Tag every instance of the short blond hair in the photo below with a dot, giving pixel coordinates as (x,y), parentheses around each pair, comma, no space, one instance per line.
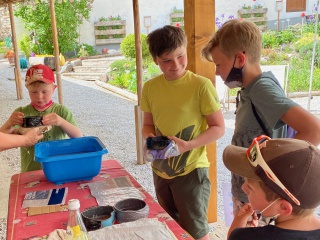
(236,36)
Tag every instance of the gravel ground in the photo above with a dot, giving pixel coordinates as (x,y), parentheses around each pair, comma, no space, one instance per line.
(110,117)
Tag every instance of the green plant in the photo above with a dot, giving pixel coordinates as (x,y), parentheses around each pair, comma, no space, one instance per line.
(246,7)
(122,65)
(123,74)
(259,6)
(306,52)
(69,16)
(299,75)
(89,50)
(272,39)
(121,80)
(83,53)
(26,45)
(177,19)
(2,47)
(127,48)
(177,10)
(151,71)
(306,39)
(114,18)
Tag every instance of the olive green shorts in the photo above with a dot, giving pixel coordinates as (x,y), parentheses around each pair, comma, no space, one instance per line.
(186,200)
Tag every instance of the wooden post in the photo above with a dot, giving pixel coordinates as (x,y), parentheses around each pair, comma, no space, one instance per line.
(56,51)
(199,25)
(17,74)
(139,144)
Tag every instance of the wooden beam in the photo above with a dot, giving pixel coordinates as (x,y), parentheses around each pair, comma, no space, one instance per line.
(139,70)
(199,24)
(56,51)
(17,74)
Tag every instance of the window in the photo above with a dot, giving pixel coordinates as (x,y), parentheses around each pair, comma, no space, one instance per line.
(296,5)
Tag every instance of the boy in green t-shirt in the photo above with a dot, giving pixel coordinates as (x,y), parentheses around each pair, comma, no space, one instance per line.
(184,107)
(40,83)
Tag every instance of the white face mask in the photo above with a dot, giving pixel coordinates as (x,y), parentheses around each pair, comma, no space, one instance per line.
(269,219)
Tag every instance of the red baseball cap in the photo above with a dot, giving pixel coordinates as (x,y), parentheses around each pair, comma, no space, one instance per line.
(39,72)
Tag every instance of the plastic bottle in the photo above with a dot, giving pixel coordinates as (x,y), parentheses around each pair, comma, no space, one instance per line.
(76,229)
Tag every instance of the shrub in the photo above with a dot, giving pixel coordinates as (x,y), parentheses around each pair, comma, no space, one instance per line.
(127,48)
(69,16)
(86,50)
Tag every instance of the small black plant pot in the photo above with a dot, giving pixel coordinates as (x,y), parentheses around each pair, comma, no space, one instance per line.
(32,121)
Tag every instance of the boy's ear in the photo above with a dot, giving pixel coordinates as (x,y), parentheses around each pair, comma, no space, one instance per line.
(285,207)
(155,61)
(241,59)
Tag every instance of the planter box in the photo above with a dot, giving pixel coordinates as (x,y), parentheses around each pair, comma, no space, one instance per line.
(177,19)
(109,32)
(257,15)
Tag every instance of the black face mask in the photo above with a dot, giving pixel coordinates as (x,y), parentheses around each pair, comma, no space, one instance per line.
(235,77)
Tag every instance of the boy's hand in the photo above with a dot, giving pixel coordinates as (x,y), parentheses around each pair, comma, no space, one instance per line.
(16,118)
(52,119)
(247,216)
(183,146)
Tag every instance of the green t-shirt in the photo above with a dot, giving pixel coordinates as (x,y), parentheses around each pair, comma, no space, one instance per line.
(28,162)
(179,108)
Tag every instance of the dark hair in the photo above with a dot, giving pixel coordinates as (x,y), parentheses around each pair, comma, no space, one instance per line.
(165,39)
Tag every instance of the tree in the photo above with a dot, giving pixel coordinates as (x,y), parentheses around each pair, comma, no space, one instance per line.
(69,16)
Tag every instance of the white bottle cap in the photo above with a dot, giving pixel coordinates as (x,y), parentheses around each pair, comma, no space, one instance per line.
(73,204)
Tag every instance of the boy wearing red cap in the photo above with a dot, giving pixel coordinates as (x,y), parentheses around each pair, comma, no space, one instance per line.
(281,182)
(40,83)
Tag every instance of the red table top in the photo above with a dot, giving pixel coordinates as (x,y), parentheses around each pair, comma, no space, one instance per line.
(21,226)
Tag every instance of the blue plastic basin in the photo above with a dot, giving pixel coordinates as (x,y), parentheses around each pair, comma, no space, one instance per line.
(70,160)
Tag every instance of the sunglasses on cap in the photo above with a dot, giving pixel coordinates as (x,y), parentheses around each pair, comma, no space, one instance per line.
(255,158)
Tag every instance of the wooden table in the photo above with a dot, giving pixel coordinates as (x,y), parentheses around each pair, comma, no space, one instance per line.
(21,226)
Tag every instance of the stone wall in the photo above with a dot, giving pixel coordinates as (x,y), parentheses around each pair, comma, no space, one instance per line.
(5,27)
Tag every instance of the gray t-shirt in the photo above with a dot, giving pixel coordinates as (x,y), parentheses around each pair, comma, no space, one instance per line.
(270,103)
